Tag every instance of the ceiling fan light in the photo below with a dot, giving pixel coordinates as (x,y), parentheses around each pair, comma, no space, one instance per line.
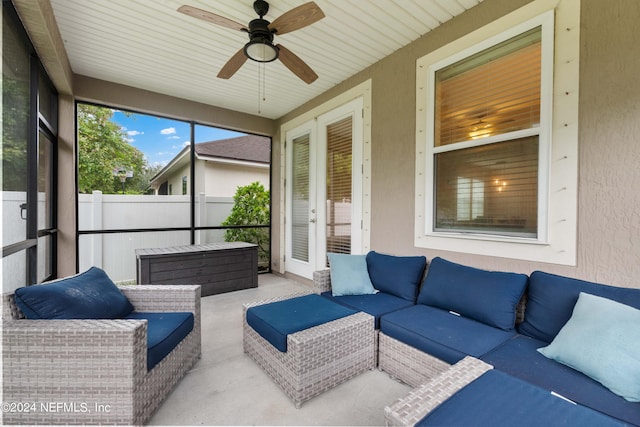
(261,50)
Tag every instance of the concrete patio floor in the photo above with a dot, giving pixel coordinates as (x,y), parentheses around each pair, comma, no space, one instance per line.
(227,388)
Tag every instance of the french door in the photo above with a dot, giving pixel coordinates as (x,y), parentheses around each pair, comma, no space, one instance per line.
(324,188)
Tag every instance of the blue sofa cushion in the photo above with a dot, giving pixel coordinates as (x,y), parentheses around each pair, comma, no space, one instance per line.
(376,304)
(89,295)
(602,340)
(518,357)
(276,320)
(164,332)
(396,275)
(490,297)
(497,399)
(349,275)
(441,334)
(551,298)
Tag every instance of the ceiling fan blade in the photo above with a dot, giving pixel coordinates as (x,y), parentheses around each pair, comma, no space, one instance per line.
(296,65)
(297,18)
(232,65)
(211,17)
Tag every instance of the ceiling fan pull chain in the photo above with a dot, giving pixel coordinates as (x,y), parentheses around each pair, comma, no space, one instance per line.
(264,83)
(259,87)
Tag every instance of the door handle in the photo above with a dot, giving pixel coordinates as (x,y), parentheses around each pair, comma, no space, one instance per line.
(312,220)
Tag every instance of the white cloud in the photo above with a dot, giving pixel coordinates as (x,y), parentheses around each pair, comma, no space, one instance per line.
(174,137)
(168,131)
(134,132)
(186,144)
(130,140)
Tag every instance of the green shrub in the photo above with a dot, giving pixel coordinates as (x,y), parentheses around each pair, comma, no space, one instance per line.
(251,207)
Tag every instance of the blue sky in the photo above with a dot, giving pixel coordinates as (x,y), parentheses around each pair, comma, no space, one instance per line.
(161,139)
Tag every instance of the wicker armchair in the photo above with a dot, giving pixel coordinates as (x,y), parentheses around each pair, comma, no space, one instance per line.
(93,371)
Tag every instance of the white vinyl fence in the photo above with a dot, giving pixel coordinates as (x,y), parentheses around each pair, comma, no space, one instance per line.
(14,230)
(115,252)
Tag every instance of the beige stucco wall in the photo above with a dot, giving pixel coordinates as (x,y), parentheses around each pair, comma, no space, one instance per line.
(223,179)
(609,144)
(66,193)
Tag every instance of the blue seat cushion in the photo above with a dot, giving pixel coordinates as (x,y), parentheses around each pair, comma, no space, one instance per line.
(88,295)
(489,297)
(375,304)
(441,334)
(164,332)
(396,275)
(276,320)
(551,298)
(518,357)
(498,399)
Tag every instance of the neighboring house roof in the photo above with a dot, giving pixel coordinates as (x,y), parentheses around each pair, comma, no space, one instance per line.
(249,148)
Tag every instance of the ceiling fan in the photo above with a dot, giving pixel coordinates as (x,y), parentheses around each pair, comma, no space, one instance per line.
(260,47)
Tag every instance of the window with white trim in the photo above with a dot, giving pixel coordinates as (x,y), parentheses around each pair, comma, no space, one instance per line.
(488,129)
(497,138)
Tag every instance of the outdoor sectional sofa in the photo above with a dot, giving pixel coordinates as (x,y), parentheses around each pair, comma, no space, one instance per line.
(82,350)
(486,327)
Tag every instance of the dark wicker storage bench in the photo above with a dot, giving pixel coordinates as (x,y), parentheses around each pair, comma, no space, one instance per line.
(217,267)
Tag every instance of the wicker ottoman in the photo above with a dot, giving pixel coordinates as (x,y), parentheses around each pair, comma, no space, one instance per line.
(317,359)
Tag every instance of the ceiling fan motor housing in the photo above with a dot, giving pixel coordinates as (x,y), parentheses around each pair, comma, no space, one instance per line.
(259,34)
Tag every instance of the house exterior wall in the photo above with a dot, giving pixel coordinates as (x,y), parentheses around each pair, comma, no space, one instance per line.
(218,179)
(609,145)
(223,179)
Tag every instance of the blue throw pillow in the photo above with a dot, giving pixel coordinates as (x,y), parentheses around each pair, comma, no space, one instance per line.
(349,275)
(396,275)
(602,340)
(551,298)
(490,297)
(89,295)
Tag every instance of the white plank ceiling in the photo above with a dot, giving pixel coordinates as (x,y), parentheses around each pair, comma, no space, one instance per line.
(149,45)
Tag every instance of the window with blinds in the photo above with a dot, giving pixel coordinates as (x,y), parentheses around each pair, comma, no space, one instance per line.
(300,199)
(339,186)
(486,140)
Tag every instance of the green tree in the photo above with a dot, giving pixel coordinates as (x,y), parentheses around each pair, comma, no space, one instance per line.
(15,113)
(140,183)
(251,207)
(103,147)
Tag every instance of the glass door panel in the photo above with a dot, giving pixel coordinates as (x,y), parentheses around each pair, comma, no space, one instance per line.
(339,186)
(300,215)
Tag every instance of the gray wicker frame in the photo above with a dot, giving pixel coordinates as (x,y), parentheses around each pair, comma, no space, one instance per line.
(318,358)
(406,363)
(93,371)
(322,283)
(411,408)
